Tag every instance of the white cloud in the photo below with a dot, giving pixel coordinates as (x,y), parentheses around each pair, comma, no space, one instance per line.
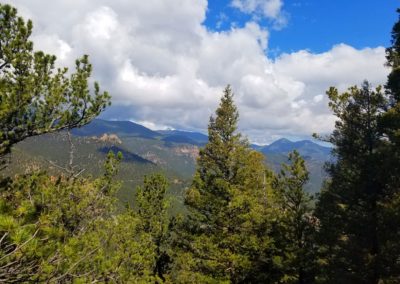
(164,68)
(269,9)
(318,98)
(53,44)
(101,24)
(342,65)
(153,126)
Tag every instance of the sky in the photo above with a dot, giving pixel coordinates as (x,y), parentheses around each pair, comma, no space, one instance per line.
(166,62)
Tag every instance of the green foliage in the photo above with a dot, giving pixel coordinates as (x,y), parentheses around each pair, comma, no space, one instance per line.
(60,229)
(243,223)
(152,206)
(39,213)
(353,230)
(36,98)
(224,238)
(111,167)
(57,229)
(295,237)
(390,121)
(358,208)
(393,61)
(390,128)
(113,250)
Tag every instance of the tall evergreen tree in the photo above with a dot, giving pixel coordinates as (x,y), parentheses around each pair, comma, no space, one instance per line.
(295,238)
(225,237)
(350,207)
(390,122)
(390,128)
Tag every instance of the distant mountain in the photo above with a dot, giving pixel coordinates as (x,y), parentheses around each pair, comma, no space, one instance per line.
(176,150)
(314,155)
(173,152)
(179,136)
(98,127)
(257,147)
(306,148)
(121,128)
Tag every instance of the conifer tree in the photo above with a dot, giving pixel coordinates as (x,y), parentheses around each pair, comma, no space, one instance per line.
(390,122)
(359,207)
(393,61)
(152,206)
(36,98)
(390,129)
(350,207)
(40,215)
(225,236)
(295,237)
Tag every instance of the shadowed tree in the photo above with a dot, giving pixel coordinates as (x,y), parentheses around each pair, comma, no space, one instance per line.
(390,129)
(351,206)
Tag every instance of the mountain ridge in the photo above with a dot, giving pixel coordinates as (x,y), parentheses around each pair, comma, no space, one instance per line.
(100,126)
(171,151)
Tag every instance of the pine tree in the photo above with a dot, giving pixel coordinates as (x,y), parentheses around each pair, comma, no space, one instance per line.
(42,216)
(349,208)
(295,236)
(393,61)
(390,122)
(152,205)
(225,238)
(36,98)
(390,129)
(358,209)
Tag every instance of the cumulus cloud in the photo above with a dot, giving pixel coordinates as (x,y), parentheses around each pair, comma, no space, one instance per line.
(53,44)
(164,68)
(269,9)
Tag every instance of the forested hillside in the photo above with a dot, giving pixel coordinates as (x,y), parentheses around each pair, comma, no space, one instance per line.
(172,152)
(240,220)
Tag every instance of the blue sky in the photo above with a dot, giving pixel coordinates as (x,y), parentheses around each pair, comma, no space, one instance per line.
(316,25)
(166,62)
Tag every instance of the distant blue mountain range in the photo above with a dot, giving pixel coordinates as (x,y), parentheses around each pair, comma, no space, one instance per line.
(171,151)
(127,128)
(306,148)
(98,127)
(179,136)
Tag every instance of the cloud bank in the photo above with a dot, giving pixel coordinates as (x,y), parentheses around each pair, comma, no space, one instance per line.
(163,67)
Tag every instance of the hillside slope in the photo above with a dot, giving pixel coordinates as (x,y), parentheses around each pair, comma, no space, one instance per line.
(145,151)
